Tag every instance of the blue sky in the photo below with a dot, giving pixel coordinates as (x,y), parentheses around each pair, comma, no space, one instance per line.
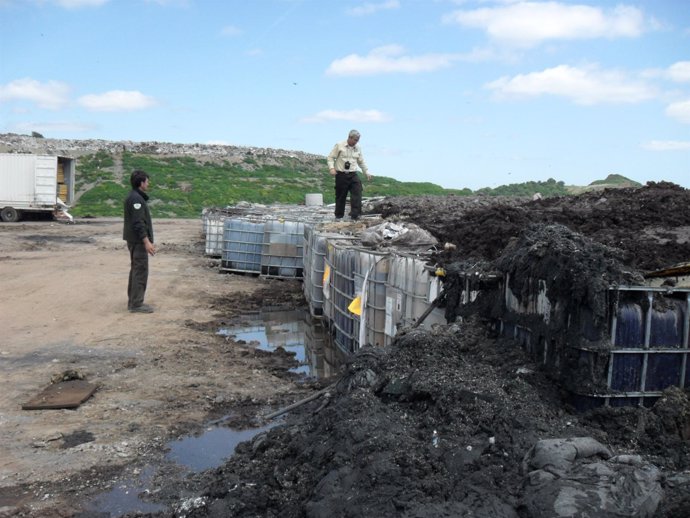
(459,93)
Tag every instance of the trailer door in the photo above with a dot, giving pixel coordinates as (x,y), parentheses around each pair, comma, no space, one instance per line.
(46,178)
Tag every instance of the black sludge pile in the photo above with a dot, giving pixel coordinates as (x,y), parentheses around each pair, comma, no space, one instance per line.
(457,421)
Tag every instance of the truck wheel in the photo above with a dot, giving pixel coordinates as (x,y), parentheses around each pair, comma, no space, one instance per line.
(9,215)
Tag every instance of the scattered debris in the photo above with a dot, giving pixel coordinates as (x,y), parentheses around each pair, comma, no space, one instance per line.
(67,375)
(63,394)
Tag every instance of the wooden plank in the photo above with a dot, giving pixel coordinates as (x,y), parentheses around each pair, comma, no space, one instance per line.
(68,394)
(679,269)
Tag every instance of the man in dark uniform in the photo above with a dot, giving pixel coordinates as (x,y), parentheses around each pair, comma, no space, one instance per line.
(138,232)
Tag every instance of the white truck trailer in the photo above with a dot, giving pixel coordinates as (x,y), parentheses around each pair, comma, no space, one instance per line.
(35,183)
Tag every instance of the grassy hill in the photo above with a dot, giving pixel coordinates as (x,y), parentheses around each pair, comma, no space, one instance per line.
(183,186)
(186,178)
(612,181)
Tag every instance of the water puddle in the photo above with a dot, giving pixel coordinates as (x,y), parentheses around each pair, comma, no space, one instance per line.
(295,331)
(211,448)
(206,450)
(125,497)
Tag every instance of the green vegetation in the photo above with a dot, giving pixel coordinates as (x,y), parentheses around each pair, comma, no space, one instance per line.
(93,168)
(104,200)
(548,188)
(183,186)
(616,179)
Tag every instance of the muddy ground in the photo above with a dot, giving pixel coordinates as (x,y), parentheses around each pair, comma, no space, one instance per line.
(443,423)
(159,376)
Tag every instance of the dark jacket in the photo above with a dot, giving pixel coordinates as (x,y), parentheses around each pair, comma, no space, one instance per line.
(137,218)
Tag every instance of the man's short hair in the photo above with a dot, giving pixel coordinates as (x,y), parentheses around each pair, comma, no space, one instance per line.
(353,134)
(138,177)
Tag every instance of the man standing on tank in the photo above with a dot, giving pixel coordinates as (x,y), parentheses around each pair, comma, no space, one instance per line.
(138,232)
(343,162)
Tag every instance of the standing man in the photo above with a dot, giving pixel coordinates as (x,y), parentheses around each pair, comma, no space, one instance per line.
(343,162)
(138,232)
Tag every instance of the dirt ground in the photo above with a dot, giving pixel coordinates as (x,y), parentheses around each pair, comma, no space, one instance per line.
(443,423)
(158,376)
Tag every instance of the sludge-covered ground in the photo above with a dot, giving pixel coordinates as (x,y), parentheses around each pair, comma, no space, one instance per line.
(457,421)
(650,226)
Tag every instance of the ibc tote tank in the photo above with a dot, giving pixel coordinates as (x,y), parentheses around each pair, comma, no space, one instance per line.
(242,244)
(374,267)
(282,252)
(339,293)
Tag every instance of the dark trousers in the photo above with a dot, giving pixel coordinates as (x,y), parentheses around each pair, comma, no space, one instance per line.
(344,183)
(138,274)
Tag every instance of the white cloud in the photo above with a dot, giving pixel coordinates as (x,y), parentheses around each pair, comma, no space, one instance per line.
(389,59)
(117,100)
(586,86)
(51,95)
(667,145)
(680,72)
(679,111)
(371,8)
(76,4)
(527,24)
(230,31)
(181,3)
(350,116)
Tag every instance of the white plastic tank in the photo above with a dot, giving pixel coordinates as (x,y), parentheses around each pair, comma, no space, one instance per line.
(242,245)
(314,199)
(282,253)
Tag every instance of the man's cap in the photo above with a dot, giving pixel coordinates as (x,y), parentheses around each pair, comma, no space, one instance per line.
(353,134)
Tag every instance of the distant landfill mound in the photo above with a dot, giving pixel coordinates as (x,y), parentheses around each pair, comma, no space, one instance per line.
(14,143)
